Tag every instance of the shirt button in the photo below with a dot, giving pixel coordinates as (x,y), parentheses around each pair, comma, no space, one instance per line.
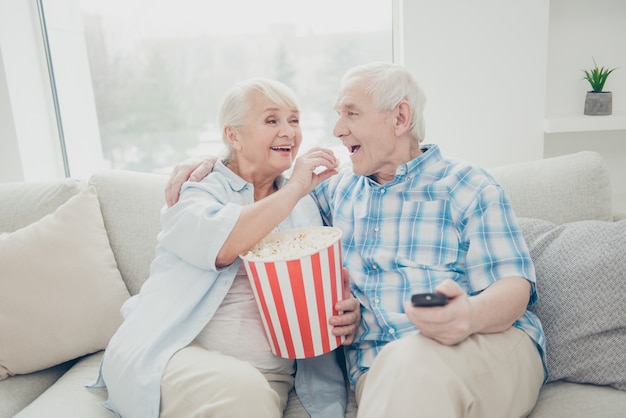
(382,191)
(376,301)
(392,331)
(376,229)
(374,267)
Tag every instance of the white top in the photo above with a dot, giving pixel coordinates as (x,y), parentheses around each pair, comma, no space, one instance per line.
(236,329)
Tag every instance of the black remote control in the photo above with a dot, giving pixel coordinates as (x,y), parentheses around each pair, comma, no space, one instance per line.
(429,299)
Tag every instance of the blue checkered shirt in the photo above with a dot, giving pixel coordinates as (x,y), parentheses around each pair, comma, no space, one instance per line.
(438,219)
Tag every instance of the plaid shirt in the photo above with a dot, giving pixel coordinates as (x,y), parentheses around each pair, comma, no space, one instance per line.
(437,219)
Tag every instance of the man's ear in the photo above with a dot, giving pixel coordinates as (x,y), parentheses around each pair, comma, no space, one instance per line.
(402,117)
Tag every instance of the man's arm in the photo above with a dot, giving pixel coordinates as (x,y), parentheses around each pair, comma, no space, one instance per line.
(493,310)
(193,169)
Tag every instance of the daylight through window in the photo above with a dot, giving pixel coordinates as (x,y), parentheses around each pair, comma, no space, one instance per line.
(160,68)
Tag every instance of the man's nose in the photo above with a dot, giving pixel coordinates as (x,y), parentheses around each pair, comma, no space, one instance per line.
(340,130)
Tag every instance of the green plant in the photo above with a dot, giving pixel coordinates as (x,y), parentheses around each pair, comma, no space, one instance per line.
(597,76)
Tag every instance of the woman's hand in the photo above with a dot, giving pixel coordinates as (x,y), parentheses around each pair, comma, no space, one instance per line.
(306,173)
(192,169)
(347,322)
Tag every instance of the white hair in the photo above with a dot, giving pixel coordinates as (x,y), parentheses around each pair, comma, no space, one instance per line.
(237,102)
(389,84)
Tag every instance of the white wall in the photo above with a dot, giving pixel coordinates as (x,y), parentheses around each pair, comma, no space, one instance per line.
(482,65)
(499,74)
(581,30)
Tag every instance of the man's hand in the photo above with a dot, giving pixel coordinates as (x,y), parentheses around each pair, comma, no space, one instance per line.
(449,324)
(193,169)
(347,322)
(495,309)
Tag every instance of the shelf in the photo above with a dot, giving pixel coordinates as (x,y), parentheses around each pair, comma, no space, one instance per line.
(584,123)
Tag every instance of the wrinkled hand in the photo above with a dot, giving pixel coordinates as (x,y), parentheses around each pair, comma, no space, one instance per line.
(347,322)
(449,324)
(193,169)
(306,173)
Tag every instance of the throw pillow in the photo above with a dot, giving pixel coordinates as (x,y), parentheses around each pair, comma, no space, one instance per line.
(60,289)
(581,283)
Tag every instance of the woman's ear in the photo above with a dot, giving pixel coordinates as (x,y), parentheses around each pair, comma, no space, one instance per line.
(403,115)
(231,135)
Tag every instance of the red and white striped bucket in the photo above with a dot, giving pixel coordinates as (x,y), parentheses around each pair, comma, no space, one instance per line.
(297,296)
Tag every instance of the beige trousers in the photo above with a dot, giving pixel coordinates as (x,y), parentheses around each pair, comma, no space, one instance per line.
(486,376)
(202,383)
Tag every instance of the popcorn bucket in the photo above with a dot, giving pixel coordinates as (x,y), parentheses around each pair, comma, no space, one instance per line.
(296,280)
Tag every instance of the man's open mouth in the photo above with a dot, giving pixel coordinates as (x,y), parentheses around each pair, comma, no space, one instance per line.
(353,148)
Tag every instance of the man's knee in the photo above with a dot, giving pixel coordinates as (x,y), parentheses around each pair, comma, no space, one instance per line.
(410,348)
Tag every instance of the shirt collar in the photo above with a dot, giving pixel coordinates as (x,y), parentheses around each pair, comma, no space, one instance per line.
(235,182)
(430,155)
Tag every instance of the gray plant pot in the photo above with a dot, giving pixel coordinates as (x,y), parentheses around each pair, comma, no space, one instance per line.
(599,104)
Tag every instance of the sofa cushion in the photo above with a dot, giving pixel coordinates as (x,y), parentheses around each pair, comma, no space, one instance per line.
(60,289)
(22,203)
(20,390)
(69,397)
(576,400)
(581,282)
(562,189)
(130,203)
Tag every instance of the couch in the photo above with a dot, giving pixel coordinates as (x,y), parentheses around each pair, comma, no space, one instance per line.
(71,251)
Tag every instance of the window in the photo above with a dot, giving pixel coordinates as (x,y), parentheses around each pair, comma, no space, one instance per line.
(158,69)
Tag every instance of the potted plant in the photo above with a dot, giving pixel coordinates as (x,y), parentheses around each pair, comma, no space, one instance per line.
(598,102)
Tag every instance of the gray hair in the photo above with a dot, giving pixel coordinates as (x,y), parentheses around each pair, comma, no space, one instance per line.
(237,103)
(389,84)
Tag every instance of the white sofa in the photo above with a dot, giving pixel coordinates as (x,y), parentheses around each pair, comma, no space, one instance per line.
(56,351)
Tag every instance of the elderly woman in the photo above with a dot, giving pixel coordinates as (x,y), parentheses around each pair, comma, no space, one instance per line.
(192,342)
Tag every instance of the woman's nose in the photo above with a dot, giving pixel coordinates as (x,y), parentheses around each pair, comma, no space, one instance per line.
(287,131)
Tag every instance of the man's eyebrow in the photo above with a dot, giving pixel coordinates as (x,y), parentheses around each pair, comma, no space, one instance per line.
(346,106)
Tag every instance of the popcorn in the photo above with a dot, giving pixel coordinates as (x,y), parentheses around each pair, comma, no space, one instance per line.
(292,244)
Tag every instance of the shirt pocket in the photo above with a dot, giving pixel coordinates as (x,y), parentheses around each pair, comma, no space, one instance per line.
(427,236)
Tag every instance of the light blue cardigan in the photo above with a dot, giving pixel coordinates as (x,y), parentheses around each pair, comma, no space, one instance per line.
(183,292)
